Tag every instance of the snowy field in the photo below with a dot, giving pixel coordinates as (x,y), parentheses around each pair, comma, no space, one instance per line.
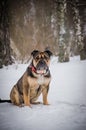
(67,98)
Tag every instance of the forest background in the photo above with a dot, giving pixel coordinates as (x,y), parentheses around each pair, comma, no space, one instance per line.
(58,25)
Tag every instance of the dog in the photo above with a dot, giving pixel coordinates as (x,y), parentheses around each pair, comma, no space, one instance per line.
(35,80)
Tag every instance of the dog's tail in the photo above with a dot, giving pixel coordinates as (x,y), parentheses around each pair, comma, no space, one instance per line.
(3,101)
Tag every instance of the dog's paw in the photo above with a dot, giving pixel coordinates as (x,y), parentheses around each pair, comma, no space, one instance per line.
(46,103)
(35,103)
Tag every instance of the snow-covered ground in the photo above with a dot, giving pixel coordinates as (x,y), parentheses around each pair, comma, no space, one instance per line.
(67,98)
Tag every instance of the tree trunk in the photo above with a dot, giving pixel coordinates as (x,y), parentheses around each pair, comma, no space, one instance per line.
(63,51)
(5,50)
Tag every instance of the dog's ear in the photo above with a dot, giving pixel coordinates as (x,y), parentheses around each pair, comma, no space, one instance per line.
(48,52)
(33,53)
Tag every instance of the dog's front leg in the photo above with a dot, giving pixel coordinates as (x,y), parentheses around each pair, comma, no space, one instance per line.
(26,93)
(45,94)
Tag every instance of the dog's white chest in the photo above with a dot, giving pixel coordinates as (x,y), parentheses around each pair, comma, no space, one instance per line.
(41,80)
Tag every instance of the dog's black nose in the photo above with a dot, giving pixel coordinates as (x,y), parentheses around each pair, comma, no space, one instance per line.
(42,62)
(42,65)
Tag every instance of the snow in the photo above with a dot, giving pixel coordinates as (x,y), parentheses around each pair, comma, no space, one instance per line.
(67,98)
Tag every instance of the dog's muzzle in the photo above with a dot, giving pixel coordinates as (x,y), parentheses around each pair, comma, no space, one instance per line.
(41,67)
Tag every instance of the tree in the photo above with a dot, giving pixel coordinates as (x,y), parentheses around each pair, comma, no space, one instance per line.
(63,52)
(71,29)
(5,50)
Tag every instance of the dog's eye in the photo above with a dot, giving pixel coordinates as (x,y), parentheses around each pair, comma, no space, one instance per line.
(37,58)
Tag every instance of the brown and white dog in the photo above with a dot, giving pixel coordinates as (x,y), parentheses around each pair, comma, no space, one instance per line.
(34,81)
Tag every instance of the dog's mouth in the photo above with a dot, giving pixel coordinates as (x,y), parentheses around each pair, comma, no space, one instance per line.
(41,71)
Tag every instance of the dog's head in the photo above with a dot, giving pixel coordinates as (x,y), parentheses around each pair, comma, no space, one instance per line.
(41,61)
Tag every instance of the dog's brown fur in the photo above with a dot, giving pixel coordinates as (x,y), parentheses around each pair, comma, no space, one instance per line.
(34,81)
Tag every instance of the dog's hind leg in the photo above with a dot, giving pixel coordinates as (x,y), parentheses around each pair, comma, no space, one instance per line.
(16,99)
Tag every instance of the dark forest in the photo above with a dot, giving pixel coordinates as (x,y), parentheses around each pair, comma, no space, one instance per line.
(58,25)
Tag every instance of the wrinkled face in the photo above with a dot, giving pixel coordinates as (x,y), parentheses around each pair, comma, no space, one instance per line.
(41,60)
